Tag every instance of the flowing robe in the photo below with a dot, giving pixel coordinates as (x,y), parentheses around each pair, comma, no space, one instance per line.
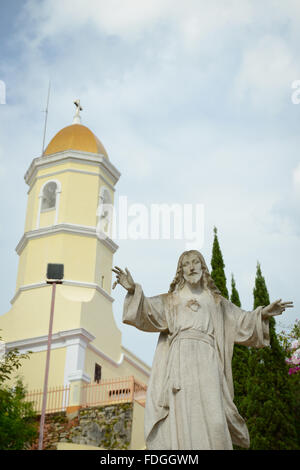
(190,393)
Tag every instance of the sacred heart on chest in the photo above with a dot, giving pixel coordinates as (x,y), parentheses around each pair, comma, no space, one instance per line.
(193,304)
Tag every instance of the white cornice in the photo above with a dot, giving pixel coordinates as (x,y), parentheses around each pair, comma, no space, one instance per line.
(124,356)
(136,361)
(137,365)
(78,375)
(47,161)
(104,356)
(66,282)
(59,340)
(64,228)
(75,336)
(72,170)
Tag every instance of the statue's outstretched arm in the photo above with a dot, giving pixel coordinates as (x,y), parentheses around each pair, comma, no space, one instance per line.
(276,308)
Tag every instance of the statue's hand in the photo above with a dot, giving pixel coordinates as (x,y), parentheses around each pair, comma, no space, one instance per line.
(125,279)
(276,308)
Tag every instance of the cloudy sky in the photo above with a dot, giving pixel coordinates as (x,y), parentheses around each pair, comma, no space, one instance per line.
(193,102)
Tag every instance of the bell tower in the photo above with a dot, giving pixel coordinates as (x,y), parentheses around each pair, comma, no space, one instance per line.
(67,187)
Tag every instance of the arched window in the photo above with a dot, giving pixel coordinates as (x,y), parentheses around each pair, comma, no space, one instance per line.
(48,201)
(49,196)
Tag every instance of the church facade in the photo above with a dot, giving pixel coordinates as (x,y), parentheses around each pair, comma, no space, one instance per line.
(67,186)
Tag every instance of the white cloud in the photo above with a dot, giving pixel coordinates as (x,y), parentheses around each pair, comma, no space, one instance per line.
(283,218)
(267,71)
(296,180)
(193,20)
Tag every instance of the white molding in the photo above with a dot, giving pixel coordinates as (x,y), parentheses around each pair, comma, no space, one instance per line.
(124,356)
(64,228)
(136,361)
(59,340)
(96,159)
(75,360)
(67,282)
(73,170)
(136,365)
(104,356)
(76,341)
(89,285)
(75,376)
(27,287)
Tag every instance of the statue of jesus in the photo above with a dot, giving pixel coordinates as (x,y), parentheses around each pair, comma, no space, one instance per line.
(190,393)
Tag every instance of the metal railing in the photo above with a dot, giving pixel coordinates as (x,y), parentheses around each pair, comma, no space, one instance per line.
(106,392)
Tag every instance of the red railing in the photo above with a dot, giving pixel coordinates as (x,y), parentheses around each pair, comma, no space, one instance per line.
(106,392)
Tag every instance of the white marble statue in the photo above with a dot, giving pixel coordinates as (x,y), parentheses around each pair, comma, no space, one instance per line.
(190,392)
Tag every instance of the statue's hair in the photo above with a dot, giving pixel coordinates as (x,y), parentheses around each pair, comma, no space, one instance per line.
(179,281)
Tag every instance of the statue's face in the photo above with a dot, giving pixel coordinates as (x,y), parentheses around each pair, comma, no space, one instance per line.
(192,268)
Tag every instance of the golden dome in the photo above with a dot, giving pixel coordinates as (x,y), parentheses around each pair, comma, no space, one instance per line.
(75,137)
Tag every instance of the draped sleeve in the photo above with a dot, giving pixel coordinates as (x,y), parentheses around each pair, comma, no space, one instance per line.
(250,328)
(145,313)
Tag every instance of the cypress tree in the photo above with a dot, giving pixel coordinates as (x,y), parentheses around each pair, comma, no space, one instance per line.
(240,360)
(235,298)
(269,414)
(217,264)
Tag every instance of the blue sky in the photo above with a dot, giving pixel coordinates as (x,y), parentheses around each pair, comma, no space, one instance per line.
(192,101)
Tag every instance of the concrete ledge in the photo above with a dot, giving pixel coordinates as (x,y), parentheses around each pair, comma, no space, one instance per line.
(68,446)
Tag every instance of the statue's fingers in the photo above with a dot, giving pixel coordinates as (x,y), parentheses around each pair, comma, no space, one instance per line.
(276,302)
(286,304)
(121,270)
(117,271)
(114,284)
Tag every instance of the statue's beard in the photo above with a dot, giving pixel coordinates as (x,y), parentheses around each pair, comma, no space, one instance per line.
(193,278)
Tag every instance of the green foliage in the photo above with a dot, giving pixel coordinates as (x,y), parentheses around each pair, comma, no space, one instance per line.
(17,419)
(240,360)
(286,338)
(235,298)
(260,291)
(217,264)
(270,402)
(9,364)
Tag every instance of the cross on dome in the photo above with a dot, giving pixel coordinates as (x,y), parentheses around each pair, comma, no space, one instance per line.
(77,117)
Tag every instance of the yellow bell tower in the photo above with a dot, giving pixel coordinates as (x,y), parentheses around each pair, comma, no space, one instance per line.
(68,185)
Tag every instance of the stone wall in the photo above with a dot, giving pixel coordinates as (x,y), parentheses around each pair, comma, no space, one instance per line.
(106,427)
